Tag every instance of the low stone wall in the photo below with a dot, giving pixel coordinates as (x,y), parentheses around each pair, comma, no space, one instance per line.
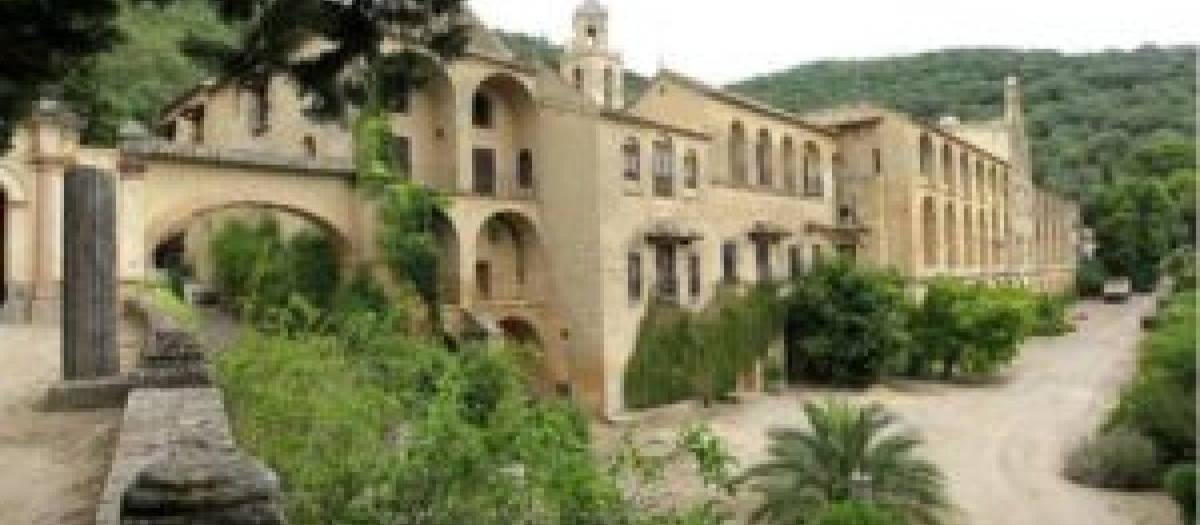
(176,461)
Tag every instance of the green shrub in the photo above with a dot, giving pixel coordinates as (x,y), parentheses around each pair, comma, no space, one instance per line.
(1118,458)
(681,354)
(1160,402)
(967,328)
(844,324)
(856,513)
(1050,315)
(1182,267)
(1090,278)
(1180,483)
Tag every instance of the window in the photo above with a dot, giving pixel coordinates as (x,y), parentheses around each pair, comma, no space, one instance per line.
(525,169)
(310,146)
(762,156)
(877,160)
(762,256)
(171,130)
(965,173)
(737,153)
(484,164)
(483,279)
(631,152)
(634,276)
(926,154)
(691,170)
(817,257)
(980,178)
(814,185)
(694,275)
(664,169)
(260,107)
(481,111)
(577,79)
(591,35)
(729,262)
(789,165)
(399,149)
(795,261)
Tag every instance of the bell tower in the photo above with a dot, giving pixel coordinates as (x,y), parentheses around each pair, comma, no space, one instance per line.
(588,64)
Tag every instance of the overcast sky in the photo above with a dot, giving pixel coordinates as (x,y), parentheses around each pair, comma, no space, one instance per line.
(723,41)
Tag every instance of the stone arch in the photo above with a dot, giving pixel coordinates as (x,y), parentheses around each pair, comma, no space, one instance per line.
(510,263)
(175,225)
(544,360)
(500,140)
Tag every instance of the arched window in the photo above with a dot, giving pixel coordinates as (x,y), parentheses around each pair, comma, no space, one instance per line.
(980,188)
(814,183)
(789,165)
(929,232)
(691,170)
(481,111)
(762,157)
(631,155)
(925,150)
(948,177)
(965,174)
(737,153)
(951,237)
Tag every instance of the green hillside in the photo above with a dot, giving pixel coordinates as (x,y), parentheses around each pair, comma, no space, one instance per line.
(1086,112)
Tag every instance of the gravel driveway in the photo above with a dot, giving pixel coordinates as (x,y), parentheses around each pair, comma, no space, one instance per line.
(52,465)
(1000,445)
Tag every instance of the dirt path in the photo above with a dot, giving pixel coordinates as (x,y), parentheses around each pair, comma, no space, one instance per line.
(52,465)
(1001,446)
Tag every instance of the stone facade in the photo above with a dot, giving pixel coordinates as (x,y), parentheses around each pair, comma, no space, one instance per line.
(569,209)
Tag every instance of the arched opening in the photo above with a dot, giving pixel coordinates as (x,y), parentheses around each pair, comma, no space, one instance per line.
(929,232)
(663,157)
(510,262)
(951,237)
(762,157)
(737,152)
(814,183)
(522,337)
(925,153)
(948,176)
(181,250)
(789,165)
(502,138)
(984,241)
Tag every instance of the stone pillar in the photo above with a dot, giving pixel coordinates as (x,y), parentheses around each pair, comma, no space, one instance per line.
(90,307)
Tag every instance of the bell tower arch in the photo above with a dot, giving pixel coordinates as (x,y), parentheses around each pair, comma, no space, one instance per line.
(588,63)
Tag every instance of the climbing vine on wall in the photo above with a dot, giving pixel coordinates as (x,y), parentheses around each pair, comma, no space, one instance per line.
(406,211)
(682,354)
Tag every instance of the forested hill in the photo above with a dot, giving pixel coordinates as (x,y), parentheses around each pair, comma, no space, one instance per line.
(1085,112)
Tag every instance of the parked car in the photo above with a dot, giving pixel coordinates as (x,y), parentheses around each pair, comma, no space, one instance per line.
(1117,290)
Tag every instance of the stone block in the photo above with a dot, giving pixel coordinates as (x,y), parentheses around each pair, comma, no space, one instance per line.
(87,394)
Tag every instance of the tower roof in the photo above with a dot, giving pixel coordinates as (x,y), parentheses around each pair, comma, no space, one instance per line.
(591,7)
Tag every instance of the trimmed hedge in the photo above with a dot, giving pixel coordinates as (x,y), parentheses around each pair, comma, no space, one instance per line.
(1118,458)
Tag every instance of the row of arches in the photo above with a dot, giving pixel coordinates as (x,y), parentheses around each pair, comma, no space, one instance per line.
(805,170)
(955,238)
(978,180)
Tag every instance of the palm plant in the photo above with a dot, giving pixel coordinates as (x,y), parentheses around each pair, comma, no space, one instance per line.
(849,453)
